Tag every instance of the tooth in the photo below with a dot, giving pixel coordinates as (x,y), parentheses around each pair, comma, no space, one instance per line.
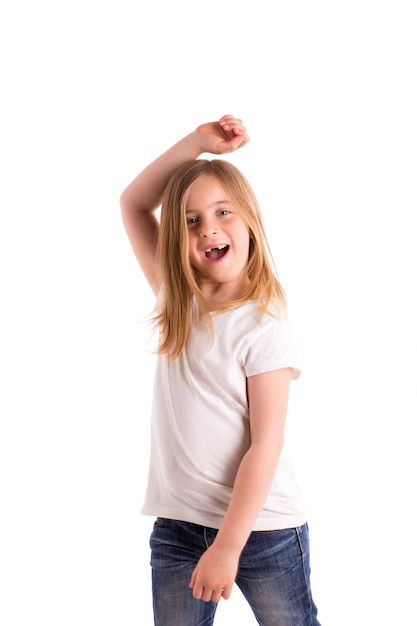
(224,245)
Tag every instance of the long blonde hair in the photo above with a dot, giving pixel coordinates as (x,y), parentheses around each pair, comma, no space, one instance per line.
(179,283)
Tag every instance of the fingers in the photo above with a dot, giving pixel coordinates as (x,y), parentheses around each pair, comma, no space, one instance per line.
(232,126)
(234,130)
(228,122)
(206,592)
(210,595)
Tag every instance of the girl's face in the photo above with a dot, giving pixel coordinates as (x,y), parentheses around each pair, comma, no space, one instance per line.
(218,240)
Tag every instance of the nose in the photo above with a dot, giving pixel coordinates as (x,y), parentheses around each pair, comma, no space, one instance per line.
(208,227)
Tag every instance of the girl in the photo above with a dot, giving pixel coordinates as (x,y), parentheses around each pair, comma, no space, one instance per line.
(225,499)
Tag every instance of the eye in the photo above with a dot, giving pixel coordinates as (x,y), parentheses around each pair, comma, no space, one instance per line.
(191,221)
(224,212)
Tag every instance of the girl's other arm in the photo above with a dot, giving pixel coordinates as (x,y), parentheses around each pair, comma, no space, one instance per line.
(140,200)
(216,571)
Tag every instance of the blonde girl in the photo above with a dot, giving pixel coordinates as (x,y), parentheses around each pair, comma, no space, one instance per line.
(224,496)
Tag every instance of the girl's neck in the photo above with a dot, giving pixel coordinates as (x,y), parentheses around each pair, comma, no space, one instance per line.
(220,295)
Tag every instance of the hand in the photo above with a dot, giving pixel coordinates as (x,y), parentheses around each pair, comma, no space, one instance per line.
(226,135)
(214,575)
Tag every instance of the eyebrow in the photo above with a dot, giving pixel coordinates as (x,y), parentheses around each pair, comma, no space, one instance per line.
(214,205)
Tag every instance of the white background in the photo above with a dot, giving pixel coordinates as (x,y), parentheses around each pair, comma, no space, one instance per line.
(91,92)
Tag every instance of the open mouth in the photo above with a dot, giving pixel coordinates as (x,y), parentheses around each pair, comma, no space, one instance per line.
(217,253)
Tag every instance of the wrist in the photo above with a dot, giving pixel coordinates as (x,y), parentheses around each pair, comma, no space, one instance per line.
(231,544)
(193,145)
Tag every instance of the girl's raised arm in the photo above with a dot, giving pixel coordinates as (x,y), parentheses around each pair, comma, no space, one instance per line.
(140,200)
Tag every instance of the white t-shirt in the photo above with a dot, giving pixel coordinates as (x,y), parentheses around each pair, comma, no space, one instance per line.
(200,421)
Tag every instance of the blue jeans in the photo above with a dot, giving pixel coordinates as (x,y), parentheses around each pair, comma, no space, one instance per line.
(273,575)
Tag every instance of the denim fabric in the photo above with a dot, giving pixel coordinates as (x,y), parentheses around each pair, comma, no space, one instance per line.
(273,575)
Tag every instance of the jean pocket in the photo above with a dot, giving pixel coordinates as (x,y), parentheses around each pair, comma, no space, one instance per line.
(160,521)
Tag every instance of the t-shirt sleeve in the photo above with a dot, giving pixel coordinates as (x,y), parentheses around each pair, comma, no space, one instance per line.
(272,348)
